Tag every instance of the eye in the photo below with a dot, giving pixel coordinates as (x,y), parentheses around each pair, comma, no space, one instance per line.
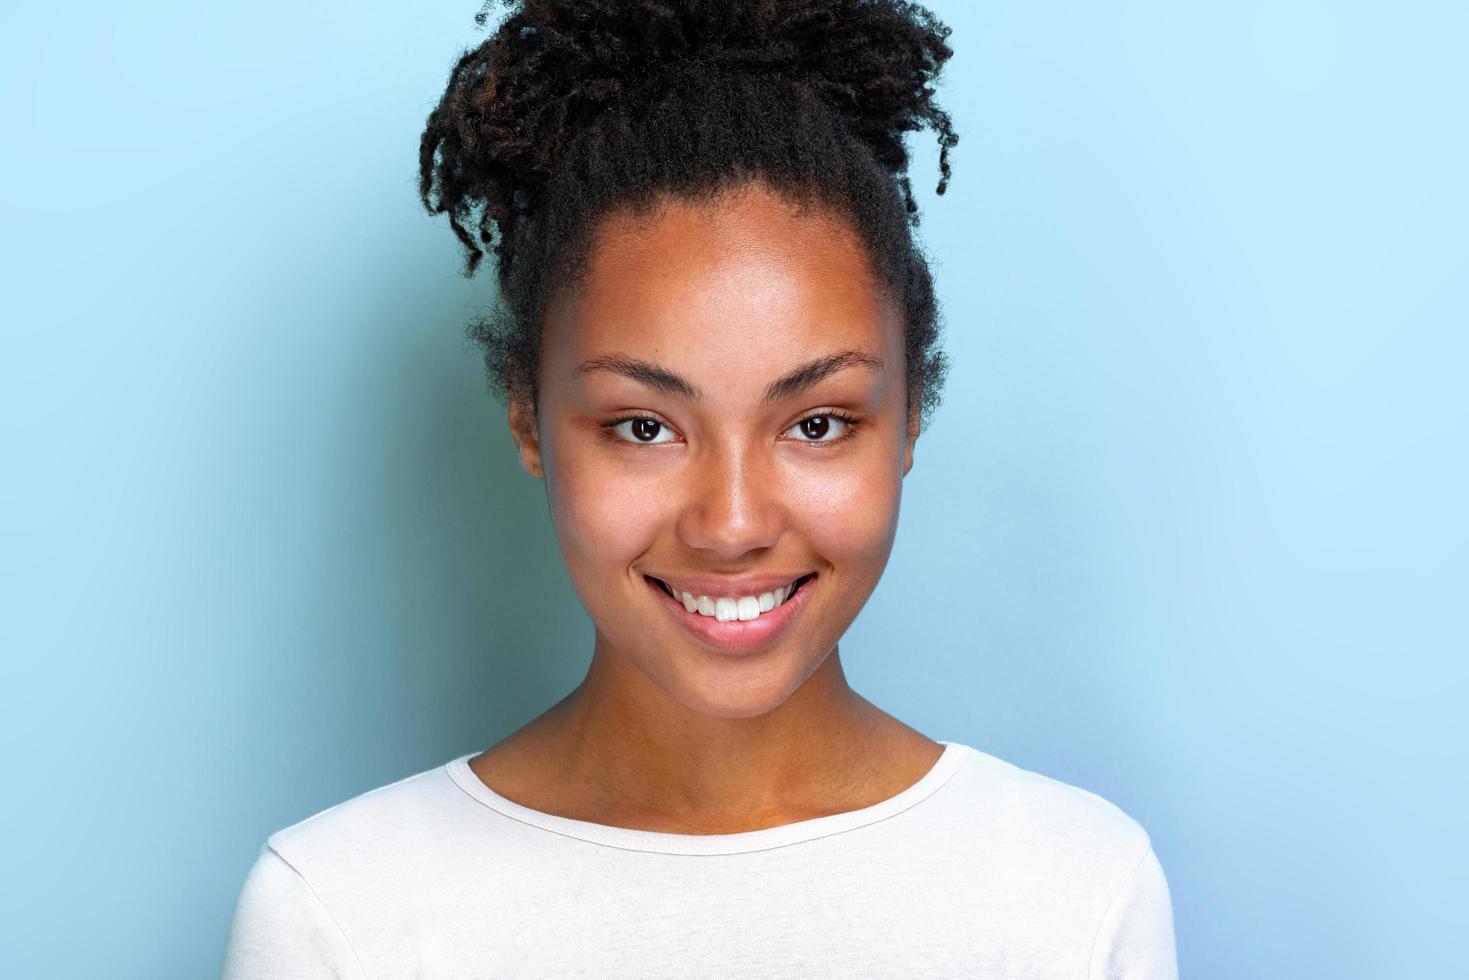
(643,430)
(819,428)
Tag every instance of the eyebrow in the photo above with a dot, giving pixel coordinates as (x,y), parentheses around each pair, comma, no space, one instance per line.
(792,383)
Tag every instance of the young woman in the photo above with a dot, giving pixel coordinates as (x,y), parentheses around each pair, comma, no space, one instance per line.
(717,349)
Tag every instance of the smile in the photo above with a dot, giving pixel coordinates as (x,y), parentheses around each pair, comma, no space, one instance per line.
(735,624)
(727,609)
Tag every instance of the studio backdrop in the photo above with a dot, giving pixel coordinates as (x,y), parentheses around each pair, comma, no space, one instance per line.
(1187,531)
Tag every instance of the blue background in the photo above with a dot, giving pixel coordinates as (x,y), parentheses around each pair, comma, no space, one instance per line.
(1188,531)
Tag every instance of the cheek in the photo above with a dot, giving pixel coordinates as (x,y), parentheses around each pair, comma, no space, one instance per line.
(848,512)
(601,517)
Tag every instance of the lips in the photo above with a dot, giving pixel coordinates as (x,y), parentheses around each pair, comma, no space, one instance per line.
(738,637)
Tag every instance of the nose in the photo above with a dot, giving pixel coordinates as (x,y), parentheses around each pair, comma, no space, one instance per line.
(733,504)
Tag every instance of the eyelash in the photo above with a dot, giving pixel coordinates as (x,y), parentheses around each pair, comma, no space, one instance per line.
(852,422)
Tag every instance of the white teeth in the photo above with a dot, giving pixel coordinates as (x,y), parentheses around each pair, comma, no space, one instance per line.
(742,608)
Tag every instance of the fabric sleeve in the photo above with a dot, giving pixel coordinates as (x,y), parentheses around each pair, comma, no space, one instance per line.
(281,928)
(1135,939)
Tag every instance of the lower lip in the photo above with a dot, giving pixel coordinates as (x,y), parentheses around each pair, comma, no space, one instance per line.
(737,636)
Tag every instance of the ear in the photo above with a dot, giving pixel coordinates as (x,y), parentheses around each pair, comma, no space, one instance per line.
(910,438)
(523,430)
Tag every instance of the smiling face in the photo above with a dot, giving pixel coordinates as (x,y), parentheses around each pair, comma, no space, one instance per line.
(722,408)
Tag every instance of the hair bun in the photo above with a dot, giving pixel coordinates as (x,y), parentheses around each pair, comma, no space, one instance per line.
(552,65)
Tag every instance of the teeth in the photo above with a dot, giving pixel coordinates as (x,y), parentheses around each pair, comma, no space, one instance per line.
(728,610)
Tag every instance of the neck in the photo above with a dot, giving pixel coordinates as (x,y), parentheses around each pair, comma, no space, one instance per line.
(652,760)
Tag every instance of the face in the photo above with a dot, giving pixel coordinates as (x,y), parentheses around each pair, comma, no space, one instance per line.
(722,409)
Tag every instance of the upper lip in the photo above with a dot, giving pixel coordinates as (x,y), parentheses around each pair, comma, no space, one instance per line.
(733,588)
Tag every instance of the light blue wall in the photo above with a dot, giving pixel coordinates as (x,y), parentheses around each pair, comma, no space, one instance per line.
(1188,531)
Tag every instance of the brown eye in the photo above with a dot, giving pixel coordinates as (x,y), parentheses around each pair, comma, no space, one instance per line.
(820,428)
(640,430)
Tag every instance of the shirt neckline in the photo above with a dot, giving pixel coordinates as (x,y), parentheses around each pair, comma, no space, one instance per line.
(948,763)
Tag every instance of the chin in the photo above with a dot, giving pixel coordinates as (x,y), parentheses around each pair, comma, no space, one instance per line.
(736,688)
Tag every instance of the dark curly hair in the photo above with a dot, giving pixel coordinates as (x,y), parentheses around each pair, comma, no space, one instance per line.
(574,108)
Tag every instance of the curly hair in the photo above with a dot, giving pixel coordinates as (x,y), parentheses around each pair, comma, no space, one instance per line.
(574,108)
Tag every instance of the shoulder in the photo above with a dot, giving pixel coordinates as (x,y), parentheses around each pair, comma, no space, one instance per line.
(367,813)
(312,893)
(395,829)
(1046,822)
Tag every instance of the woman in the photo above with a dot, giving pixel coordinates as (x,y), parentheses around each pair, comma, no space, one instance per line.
(718,348)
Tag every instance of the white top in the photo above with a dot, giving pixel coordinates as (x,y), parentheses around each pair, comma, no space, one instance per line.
(978,869)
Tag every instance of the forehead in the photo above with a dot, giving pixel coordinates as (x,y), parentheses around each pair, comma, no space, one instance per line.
(732,289)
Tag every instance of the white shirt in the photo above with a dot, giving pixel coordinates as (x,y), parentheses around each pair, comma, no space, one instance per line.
(980,869)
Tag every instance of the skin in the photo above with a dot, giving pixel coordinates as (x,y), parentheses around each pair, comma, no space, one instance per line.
(664,734)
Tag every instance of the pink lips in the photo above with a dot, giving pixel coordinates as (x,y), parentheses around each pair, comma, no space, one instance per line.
(736,636)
